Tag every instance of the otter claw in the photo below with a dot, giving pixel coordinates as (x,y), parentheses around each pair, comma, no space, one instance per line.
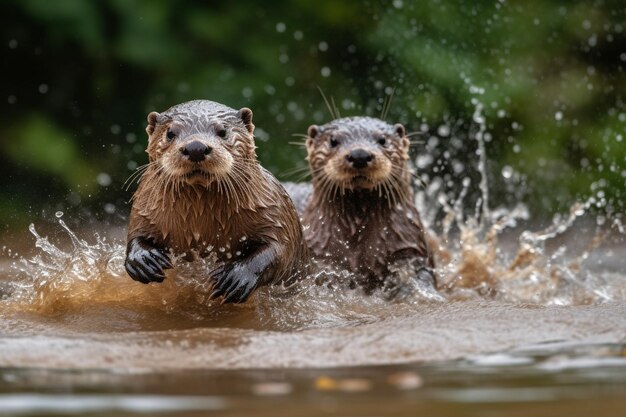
(233,283)
(146,263)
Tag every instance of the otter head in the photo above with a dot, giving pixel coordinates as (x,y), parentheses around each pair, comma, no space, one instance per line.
(358,153)
(200,142)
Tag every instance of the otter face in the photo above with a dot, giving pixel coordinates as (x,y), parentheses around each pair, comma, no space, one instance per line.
(200,142)
(357,153)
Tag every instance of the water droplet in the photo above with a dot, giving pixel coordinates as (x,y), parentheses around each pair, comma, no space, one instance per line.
(507,172)
(109,208)
(325,72)
(131,137)
(424,160)
(593,40)
(103,179)
(558,115)
(58,214)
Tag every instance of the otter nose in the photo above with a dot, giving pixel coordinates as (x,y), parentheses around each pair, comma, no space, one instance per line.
(359,158)
(195,151)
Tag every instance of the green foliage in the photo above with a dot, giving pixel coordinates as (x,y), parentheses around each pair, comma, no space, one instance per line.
(549,73)
(36,142)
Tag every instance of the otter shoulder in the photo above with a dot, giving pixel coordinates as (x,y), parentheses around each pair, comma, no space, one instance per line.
(300,193)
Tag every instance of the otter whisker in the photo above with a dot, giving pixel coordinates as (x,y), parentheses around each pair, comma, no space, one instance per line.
(228,187)
(308,173)
(418,179)
(137,173)
(400,184)
(230,192)
(237,188)
(295,170)
(328,186)
(387,104)
(300,144)
(331,109)
(332,100)
(389,193)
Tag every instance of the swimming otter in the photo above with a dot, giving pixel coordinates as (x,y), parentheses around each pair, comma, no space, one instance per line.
(204,191)
(361,216)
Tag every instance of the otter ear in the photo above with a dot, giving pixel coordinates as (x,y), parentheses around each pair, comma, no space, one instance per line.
(245,114)
(399,129)
(313,131)
(153,118)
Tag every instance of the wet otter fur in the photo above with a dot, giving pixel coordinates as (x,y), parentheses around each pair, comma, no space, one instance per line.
(203,192)
(361,215)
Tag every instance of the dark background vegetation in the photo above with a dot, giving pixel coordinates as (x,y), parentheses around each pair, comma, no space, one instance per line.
(79,77)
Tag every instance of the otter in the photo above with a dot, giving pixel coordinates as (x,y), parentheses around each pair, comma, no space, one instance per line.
(203,192)
(361,216)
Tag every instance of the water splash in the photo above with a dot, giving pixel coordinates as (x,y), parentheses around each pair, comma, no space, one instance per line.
(87,285)
(476,258)
(472,260)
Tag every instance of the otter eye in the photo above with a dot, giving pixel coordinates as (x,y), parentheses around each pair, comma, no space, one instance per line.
(333,142)
(221,132)
(170,134)
(382,141)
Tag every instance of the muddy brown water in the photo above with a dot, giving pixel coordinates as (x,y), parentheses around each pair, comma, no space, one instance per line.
(547,336)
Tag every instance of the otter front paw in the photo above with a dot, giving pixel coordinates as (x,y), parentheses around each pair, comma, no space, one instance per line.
(423,284)
(145,263)
(235,282)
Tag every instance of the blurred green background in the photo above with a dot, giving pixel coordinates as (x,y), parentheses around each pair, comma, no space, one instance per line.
(79,77)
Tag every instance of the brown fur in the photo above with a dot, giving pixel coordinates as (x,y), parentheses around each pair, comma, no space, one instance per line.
(229,205)
(363,220)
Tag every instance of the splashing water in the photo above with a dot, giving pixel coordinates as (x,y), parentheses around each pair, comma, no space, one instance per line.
(487,267)
(471,263)
(474,259)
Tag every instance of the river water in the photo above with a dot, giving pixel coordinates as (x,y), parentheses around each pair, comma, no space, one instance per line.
(528,315)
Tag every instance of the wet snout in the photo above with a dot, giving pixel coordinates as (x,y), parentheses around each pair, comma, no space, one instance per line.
(359,158)
(195,150)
